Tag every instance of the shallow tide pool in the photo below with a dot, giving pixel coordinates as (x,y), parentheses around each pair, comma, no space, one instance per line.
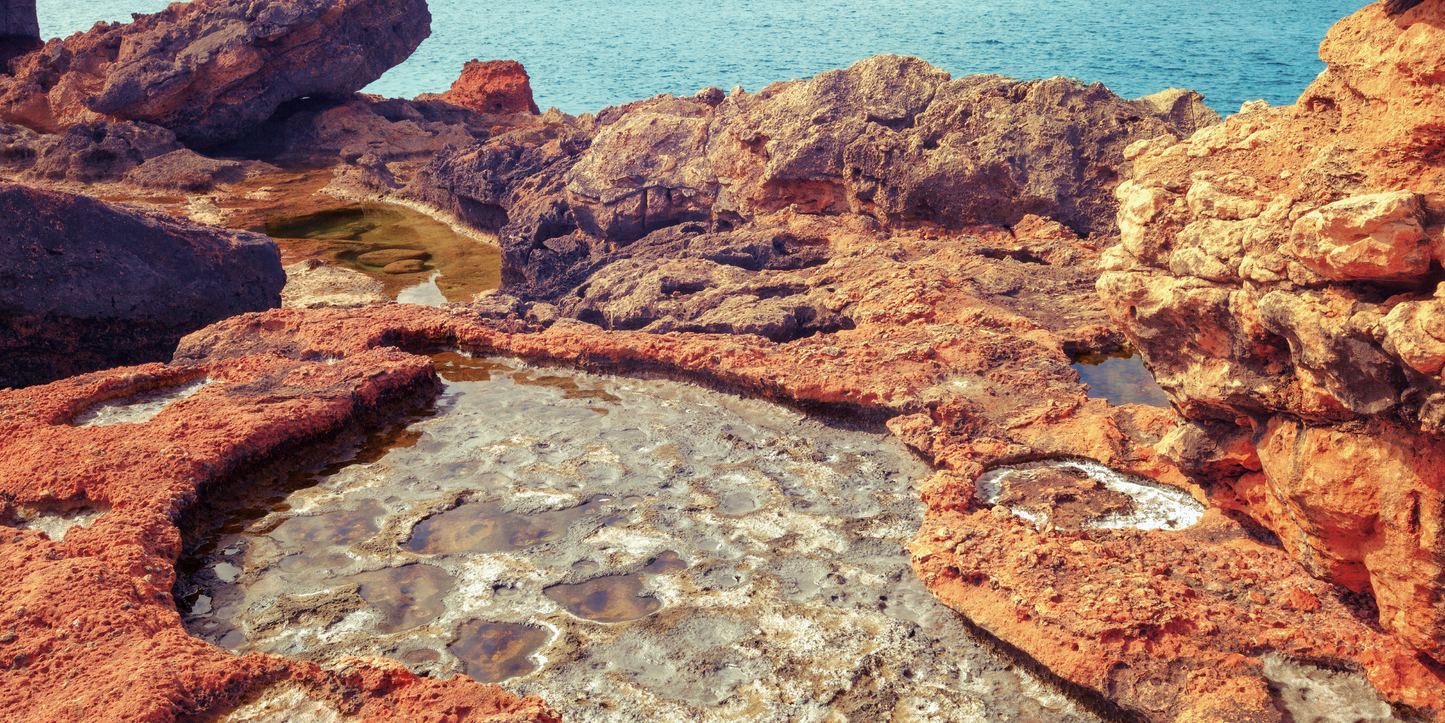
(631,550)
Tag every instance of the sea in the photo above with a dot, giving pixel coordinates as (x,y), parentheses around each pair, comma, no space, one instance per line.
(584,55)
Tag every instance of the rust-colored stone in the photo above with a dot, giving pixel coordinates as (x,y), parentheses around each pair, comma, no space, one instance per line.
(494,87)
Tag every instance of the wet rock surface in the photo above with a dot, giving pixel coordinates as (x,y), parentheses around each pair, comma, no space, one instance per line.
(633,549)
(1281,274)
(211,70)
(89,285)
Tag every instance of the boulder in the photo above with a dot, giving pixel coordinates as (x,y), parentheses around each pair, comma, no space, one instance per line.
(496,87)
(99,151)
(1281,274)
(185,171)
(88,285)
(211,69)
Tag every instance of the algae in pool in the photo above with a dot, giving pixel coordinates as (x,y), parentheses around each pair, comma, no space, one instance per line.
(693,555)
(402,248)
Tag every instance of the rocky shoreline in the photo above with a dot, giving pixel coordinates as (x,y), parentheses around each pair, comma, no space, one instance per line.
(880,243)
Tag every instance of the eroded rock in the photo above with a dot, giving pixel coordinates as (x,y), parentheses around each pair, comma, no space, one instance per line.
(1279,272)
(210,70)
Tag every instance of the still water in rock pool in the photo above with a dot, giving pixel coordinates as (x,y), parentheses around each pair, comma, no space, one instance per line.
(1120,379)
(629,549)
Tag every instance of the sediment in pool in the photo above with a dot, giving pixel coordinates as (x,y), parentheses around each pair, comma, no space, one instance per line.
(720,557)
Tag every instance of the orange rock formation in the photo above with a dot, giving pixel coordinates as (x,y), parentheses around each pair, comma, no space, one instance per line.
(496,87)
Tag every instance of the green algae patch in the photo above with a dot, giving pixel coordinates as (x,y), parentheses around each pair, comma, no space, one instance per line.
(394,244)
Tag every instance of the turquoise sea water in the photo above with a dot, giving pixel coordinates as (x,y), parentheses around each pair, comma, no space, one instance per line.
(584,55)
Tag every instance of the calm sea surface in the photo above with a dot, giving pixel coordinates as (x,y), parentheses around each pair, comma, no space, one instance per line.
(584,55)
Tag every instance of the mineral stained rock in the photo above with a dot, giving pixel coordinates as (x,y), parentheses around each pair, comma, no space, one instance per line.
(91,627)
(86,285)
(209,70)
(496,87)
(1281,273)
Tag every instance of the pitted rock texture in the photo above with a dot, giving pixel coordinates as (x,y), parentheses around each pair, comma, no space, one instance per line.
(84,153)
(890,138)
(92,630)
(211,69)
(86,285)
(1281,274)
(496,87)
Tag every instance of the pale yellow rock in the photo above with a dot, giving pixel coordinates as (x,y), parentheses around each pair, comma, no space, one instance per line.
(1377,236)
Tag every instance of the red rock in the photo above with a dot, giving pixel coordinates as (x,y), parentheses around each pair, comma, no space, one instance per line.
(494,87)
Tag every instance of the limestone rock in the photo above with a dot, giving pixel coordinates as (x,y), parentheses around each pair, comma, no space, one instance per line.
(211,69)
(88,285)
(1276,272)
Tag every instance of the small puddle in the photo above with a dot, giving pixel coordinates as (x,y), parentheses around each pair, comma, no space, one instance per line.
(55,523)
(684,555)
(609,599)
(481,527)
(1082,494)
(136,408)
(1311,693)
(407,596)
(494,652)
(418,259)
(1120,379)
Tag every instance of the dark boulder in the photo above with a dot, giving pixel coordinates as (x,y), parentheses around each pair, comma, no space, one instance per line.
(86,285)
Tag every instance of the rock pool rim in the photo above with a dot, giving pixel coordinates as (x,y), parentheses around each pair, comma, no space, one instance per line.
(848,415)
(1044,459)
(149,383)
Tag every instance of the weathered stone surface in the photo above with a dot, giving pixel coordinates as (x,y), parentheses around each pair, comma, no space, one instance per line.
(313,284)
(91,152)
(87,285)
(1279,272)
(186,171)
(211,69)
(93,632)
(496,87)
(571,196)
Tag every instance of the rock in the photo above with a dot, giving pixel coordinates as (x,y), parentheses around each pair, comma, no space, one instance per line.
(90,285)
(571,195)
(496,87)
(890,136)
(387,256)
(212,69)
(19,29)
(313,284)
(98,151)
(406,266)
(185,171)
(1373,237)
(1184,110)
(1276,272)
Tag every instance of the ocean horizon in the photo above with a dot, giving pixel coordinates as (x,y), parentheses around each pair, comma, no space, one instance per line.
(584,56)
